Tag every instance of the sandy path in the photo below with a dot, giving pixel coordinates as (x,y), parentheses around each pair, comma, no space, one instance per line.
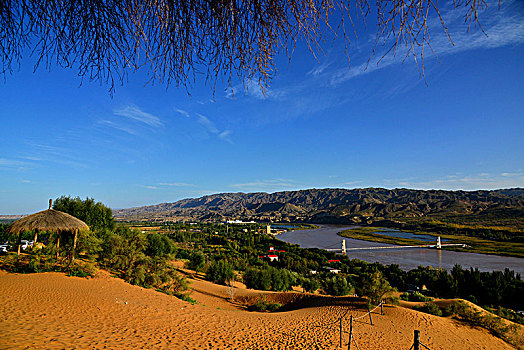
(52,311)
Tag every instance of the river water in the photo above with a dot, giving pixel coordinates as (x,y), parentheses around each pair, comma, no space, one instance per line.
(407,258)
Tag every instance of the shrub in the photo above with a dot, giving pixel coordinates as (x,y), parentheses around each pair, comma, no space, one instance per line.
(220,272)
(374,286)
(429,308)
(185,297)
(415,296)
(310,285)
(257,279)
(197,261)
(81,270)
(159,245)
(269,278)
(262,304)
(337,285)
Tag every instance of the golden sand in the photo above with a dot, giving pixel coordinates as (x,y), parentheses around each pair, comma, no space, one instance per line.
(52,311)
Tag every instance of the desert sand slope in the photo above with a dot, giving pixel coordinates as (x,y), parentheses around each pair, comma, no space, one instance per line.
(52,311)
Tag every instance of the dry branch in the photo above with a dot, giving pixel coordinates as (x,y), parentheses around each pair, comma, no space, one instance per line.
(180,41)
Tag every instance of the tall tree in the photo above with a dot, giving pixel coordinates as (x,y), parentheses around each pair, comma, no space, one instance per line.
(95,214)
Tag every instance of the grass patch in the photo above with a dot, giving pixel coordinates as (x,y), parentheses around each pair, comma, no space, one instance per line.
(415,296)
(263,305)
(476,245)
(185,297)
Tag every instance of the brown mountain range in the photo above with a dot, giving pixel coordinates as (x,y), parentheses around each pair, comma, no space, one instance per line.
(363,205)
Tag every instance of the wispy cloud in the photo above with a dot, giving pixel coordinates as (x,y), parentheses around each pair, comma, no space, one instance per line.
(181,111)
(265,185)
(352,183)
(327,85)
(59,155)
(129,120)
(224,135)
(149,187)
(6,163)
(135,113)
(253,88)
(463,182)
(500,28)
(319,69)
(207,124)
(118,126)
(176,184)
(210,128)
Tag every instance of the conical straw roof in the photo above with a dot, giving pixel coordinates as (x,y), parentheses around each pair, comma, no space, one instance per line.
(47,220)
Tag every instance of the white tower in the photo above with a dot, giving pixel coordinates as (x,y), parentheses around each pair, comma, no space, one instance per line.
(439,245)
(344,247)
(268,229)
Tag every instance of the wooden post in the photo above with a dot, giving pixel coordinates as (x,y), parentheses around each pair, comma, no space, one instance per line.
(416,340)
(19,243)
(57,243)
(74,245)
(341,333)
(370,319)
(382,308)
(350,332)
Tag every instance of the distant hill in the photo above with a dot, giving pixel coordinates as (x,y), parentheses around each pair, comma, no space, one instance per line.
(360,206)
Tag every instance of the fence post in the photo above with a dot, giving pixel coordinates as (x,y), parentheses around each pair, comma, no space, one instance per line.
(382,308)
(341,333)
(350,332)
(416,340)
(370,319)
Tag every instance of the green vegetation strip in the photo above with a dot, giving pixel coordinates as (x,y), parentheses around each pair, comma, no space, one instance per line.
(476,245)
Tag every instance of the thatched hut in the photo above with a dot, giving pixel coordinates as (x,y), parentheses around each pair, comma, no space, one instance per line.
(49,220)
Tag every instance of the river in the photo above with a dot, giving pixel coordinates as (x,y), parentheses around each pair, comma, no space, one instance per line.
(408,258)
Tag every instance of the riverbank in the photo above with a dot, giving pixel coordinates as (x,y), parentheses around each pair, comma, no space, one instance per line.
(476,245)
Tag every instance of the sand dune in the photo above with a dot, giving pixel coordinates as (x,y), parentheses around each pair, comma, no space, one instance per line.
(52,311)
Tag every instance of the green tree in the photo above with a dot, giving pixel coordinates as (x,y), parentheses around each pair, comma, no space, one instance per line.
(310,285)
(95,214)
(337,285)
(220,271)
(159,245)
(257,279)
(374,286)
(197,261)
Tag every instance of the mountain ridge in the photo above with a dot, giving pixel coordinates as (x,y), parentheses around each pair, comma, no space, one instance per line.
(330,205)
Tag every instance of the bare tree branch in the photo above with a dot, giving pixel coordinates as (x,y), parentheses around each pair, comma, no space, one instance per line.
(179,42)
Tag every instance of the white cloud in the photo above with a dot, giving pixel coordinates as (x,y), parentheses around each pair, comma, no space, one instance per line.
(210,127)
(319,69)
(265,185)
(181,111)
(176,184)
(224,135)
(500,28)
(252,88)
(207,124)
(60,155)
(13,164)
(135,113)
(484,181)
(149,187)
(117,126)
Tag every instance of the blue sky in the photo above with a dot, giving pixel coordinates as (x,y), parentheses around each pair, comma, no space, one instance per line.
(319,125)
